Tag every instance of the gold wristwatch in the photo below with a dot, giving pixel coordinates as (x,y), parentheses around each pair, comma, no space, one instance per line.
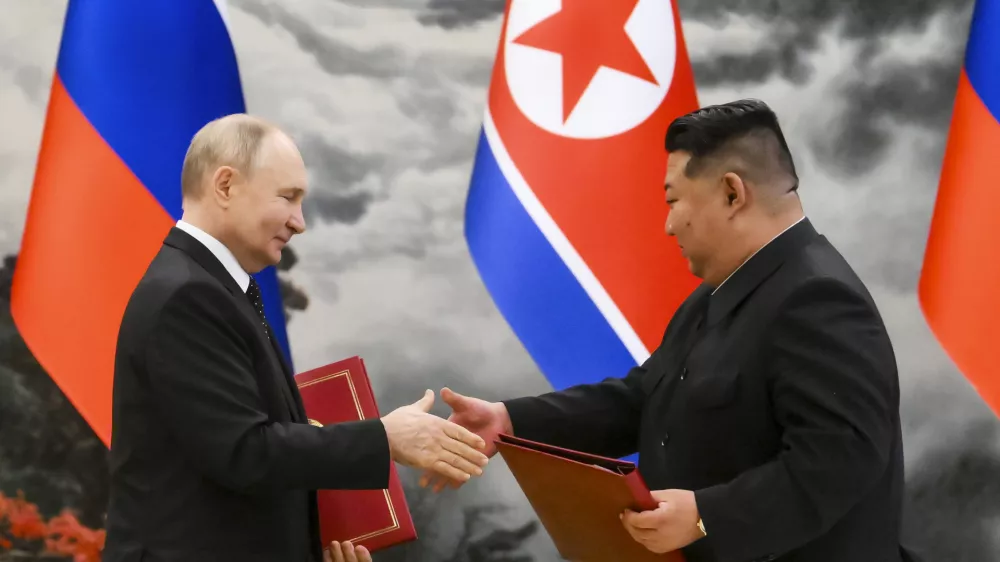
(701,527)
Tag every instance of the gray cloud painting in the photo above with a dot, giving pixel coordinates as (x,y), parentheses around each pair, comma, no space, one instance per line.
(386,99)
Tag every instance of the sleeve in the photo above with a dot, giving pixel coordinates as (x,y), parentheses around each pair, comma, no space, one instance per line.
(832,382)
(601,418)
(202,381)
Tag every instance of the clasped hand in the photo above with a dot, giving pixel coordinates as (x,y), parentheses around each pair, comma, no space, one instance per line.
(671,526)
(422,440)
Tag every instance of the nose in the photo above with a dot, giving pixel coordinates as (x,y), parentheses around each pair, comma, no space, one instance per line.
(297,221)
(669,226)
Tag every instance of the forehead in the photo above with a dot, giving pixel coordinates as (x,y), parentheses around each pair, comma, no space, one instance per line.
(280,157)
(676,164)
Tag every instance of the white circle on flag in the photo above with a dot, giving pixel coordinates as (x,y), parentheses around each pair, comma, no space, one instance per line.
(613,102)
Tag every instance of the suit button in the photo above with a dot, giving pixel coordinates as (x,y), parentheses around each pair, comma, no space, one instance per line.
(663,442)
(684,373)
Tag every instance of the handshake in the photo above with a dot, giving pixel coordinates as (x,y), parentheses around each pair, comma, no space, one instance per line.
(451,451)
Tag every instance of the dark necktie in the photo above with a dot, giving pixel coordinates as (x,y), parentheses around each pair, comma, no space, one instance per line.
(253,293)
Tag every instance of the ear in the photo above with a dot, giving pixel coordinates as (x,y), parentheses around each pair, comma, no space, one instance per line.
(222,184)
(735,191)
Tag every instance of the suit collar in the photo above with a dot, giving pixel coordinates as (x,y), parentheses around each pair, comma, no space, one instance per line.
(200,253)
(180,239)
(756,269)
(220,251)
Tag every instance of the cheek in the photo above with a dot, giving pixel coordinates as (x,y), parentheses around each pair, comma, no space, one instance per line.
(276,217)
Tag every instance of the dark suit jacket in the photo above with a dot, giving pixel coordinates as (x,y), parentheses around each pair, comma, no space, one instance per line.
(210,456)
(776,400)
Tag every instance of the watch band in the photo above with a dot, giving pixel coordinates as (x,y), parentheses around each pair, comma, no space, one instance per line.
(701,527)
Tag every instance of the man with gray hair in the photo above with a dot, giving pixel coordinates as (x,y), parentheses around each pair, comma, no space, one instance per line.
(212,457)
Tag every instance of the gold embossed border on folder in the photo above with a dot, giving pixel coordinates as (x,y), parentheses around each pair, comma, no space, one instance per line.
(361,416)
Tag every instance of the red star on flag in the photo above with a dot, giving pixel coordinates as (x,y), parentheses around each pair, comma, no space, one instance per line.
(588,34)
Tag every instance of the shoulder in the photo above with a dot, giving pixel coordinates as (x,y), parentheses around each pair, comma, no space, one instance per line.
(819,275)
(174,284)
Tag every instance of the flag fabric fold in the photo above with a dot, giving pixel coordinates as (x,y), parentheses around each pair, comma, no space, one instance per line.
(134,82)
(959,282)
(565,212)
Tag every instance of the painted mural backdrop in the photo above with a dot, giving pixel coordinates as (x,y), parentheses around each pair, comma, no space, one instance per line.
(387,100)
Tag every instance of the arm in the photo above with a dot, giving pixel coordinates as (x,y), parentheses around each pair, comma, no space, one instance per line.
(601,418)
(831,370)
(202,380)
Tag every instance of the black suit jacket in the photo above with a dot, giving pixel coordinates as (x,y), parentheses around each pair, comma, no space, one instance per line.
(211,458)
(776,400)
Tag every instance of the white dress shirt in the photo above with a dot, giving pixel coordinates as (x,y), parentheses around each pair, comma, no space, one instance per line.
(221,253)
(755,253)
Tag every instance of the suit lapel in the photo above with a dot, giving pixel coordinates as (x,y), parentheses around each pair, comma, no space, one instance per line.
(293,395)
(204,257)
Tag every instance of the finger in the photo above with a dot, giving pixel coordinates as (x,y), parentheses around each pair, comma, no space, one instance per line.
(430,478)
(632,531)
(363,554)
(348,550)
(449,471)
(648,519)
(336,555)
(463,457)
(326,555)
(438,482)
(426,402)
(442,483)
(459,433)
(452,398)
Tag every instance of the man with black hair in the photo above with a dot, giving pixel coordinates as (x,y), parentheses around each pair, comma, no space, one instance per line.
(767,420)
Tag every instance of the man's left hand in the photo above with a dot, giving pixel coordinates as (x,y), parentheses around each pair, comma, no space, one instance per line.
(346,552)
(671,526)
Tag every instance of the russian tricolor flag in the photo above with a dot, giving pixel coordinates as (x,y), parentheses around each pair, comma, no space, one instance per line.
(134,81)
(960,282)
(565,212)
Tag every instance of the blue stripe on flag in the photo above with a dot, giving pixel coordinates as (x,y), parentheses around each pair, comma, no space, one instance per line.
(147,75)
(982,53)
(554,318)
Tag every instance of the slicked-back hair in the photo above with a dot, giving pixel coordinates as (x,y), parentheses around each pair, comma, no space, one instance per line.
(233,140)
(744,135)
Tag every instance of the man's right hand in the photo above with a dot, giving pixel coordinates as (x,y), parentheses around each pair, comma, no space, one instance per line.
(422,440)
(485,419)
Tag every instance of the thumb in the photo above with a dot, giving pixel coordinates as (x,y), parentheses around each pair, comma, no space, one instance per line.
(452,398)
(427,401)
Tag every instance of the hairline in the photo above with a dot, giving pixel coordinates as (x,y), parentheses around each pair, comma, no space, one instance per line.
(235,140)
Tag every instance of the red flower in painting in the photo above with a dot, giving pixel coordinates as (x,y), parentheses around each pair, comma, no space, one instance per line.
(22,526)
(68,536)
(23,520)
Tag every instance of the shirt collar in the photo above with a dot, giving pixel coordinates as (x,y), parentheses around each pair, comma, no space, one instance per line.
(758,267)
(221,253)
(755,253)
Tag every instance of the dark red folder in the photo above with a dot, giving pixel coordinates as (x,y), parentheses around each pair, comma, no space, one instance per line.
(375,519)
(578,498)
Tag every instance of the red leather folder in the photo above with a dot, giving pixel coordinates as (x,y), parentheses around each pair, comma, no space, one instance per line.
(578,499)
(375,519)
